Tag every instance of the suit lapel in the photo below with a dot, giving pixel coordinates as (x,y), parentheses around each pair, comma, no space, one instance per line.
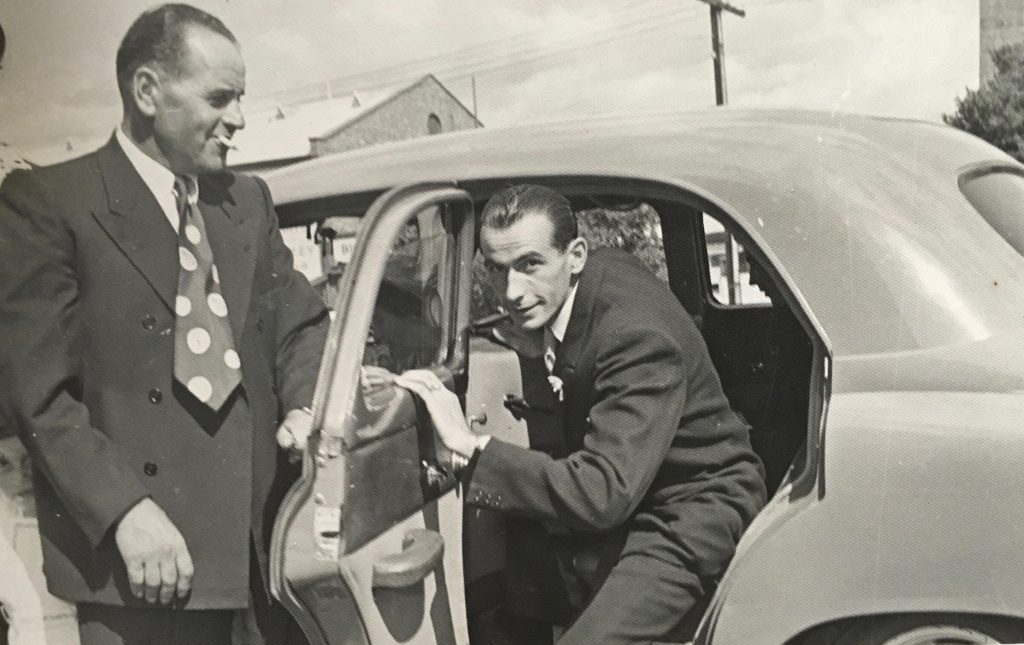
(137,224)
(139,228)
(232,233)
(580,322)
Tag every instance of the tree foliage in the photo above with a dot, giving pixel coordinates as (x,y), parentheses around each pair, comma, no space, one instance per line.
(635,230)
(995,112)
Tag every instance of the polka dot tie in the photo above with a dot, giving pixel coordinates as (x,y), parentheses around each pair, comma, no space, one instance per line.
(205,360)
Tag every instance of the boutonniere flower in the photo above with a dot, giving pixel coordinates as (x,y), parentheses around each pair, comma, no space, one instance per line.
(556,387)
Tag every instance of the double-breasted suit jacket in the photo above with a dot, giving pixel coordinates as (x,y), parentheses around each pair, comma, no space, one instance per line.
(655,462)
(88,276)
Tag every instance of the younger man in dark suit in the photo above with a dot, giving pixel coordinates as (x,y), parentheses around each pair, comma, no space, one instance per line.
(657,480)
(155,336)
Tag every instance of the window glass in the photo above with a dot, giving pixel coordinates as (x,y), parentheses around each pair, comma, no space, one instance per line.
(410,315)
(733,280)
(434,124)
(301,241)
(321,252)
(998,197)
(635,229)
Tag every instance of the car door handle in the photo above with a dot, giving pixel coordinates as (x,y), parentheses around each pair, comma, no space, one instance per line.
(516,405)
(422,550)
(519,407)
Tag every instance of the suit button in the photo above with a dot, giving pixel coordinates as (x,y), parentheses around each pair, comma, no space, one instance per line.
(149,468)
(148,322)
(156,396)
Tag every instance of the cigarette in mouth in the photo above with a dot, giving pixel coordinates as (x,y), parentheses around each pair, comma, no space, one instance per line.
(224,141)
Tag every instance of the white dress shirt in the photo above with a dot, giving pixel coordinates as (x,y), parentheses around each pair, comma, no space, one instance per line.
(156,176)
(561,322)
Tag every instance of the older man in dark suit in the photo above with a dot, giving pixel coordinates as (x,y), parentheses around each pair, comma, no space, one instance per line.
(656,481)
(155,337)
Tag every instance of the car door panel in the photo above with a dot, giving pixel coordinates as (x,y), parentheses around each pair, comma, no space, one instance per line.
(494,377)
(368,546)
(400,467)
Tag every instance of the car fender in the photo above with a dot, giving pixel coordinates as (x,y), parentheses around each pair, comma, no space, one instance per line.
(921,514)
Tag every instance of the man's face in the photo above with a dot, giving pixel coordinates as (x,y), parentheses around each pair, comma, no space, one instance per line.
(193,111)
(533,275)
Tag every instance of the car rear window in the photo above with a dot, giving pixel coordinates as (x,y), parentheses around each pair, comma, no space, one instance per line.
(999,197)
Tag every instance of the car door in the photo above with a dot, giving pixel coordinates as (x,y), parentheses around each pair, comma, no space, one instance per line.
(367,545)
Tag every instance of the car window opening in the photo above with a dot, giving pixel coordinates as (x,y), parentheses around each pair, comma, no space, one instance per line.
(761,351)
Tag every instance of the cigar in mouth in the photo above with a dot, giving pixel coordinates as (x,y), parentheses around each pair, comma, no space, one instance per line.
(224,141)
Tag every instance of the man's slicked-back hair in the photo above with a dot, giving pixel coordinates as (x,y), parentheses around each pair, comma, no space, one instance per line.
(509,205)
(158,37)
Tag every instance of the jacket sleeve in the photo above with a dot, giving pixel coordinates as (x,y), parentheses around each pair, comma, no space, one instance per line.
(640,391)
(40,365)
(302,321)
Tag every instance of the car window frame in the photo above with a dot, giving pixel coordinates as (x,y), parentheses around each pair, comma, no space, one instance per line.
(974,172)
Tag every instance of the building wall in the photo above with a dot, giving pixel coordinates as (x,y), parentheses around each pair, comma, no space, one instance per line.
(1002,23)
(403,117)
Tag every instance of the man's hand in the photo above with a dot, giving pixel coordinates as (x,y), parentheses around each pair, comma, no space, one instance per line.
(293,433)
(444,408)
(155,553)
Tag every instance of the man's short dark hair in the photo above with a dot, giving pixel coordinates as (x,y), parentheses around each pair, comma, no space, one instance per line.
(158,37)
(509,205)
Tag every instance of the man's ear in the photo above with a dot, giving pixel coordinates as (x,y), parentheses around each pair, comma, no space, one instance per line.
(145,90)
(577,252)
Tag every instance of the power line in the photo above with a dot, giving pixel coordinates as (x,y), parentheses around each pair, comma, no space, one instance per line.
(527,56)
(565,51)
(487,56)
(484,48)
(459,59)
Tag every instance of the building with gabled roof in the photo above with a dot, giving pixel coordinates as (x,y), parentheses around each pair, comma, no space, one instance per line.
(280,135)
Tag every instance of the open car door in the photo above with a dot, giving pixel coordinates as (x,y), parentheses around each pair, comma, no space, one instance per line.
(367,545)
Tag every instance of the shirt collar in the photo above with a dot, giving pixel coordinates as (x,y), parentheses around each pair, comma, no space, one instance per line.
(561,322)
(156,176)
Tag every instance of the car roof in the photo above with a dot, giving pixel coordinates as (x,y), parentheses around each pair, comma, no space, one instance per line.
(862,215)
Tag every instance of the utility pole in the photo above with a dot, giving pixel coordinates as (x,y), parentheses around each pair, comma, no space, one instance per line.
(718,45)
(476,120)
(729,261)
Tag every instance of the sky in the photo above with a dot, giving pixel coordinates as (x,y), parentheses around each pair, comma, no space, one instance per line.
(531,59)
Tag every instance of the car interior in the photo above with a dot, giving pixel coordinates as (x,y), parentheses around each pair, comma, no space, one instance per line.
(759,340)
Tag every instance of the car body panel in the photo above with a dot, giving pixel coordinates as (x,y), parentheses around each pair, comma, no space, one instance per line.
(921,511)
(916,304)
(787,179)
(922,514)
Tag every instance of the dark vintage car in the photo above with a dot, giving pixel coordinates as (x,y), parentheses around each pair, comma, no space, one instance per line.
(860,286)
